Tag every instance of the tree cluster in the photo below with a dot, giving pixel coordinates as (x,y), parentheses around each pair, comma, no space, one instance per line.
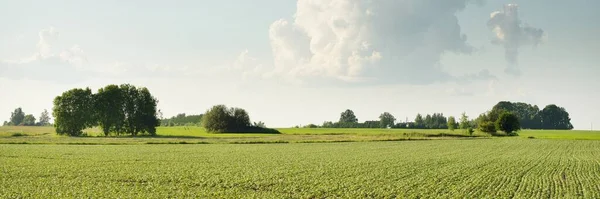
(19,118)
(220,119)
(529,117)
(182,120)
(116,109)
(435,121)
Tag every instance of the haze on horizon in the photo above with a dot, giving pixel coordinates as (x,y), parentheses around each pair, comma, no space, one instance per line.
(293,63)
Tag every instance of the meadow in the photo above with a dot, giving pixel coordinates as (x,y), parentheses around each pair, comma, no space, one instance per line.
(479,168)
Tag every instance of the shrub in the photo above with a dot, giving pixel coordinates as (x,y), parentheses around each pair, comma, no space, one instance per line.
(488,127)
(220,119)
(508,123)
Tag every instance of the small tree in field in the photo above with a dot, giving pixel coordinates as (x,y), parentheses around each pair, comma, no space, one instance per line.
(509,123)
(488,127)
(451,123)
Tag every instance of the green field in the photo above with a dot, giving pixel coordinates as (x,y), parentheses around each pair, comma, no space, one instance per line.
(483,168)
(299,163)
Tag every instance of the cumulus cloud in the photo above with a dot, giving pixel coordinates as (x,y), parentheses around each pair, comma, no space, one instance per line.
(48,37)
(46,64)
(385,41)
(512,34)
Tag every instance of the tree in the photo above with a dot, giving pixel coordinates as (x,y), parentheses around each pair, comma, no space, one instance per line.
(262,124)
(451,123)
(488,127)
(73,112)
(109,109)
(44,118)
(17,117)
(555,117)
(348,117)
(464,121)
(146,112)
(29,120)
(5,123)
(130,122)
(386,120)
(220,119)
(240,119)
(419,122)
(509,123)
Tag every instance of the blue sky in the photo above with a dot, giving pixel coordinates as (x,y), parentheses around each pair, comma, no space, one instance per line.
(298,62)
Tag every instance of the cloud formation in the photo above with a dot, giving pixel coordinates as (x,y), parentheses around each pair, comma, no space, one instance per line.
(512,34)
(357,41)
(45,64)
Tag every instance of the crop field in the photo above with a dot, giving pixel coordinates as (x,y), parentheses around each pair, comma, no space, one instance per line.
(476,168)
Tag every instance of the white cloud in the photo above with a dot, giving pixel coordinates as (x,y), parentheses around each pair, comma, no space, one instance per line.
(47,38)
(46,64)
(512,34)
(368,41)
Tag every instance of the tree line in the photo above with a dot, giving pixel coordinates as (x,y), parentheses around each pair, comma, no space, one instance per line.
(19,118)
(504,116)
(116,109)
(182,119)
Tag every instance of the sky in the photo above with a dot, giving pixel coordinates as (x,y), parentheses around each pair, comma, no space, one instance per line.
(298,62)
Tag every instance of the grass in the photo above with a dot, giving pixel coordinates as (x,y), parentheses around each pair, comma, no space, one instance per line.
(479,168)
(192,134)
(561,134)
(173,135)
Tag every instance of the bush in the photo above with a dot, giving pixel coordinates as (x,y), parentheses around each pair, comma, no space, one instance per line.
(220,119)
(488,127)
(508,123)
(312,126)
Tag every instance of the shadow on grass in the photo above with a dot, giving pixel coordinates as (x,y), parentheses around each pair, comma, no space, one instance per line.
(251,130)
(449,135)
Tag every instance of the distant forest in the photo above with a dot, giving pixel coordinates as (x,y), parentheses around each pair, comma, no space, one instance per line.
(182,120)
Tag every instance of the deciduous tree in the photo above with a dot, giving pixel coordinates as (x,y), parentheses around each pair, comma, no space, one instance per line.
(509,123)
(17,117)
(386,120)
(73,112)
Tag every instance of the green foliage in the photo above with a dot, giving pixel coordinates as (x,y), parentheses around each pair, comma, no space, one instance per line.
(555,117)
(310,126)
(29,120)
(435,121)
(386,120)
(348,117)
(487,127)
(452,123)
(17,117)
(464,121)
(116,109)
(509,123)
(419,122)
(109,102)
(531,117)
(261,124)
(182,119)
(220,119)
(44,118)
(73,112)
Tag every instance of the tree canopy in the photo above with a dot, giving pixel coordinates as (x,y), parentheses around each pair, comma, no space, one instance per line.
(17,117)
(386,120)
(73,112)
(509,123)
(348,117)
(116,109)
(221,119)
